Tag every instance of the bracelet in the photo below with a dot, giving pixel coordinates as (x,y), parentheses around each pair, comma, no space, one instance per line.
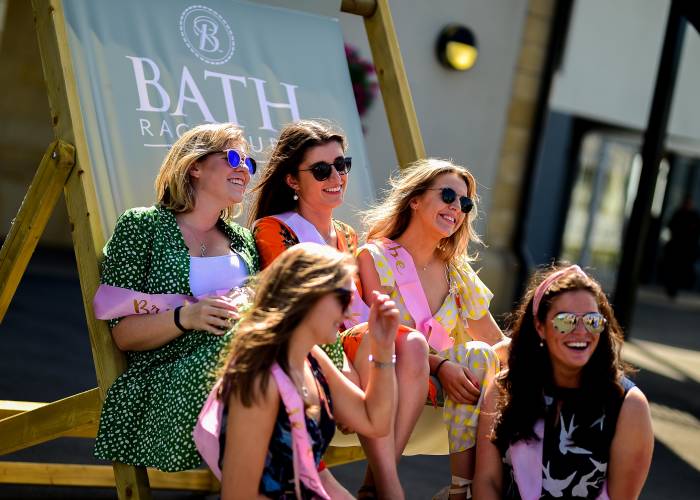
(437,368)
(177,320)
(383,364)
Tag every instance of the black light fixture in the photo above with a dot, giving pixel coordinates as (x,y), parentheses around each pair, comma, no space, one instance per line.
(456,47)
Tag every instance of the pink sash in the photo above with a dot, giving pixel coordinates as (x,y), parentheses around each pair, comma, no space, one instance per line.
(114,302)
(526,457)
(208,428)
(404,270)
(307,232)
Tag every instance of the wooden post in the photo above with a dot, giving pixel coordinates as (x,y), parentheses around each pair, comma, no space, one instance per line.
(50,421)
(83,210)
(32,217)
(101,476)
(393,82)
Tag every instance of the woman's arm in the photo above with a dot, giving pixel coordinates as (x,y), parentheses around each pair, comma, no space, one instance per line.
(248,432)
(142,332)
(369,277)
(126,264)
(485,329)
(488,476)
(458,381)
(631,448)
(370,412)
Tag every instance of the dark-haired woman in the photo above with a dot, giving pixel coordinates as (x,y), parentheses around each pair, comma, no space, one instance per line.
(563,420)
(301,300)
(304,181)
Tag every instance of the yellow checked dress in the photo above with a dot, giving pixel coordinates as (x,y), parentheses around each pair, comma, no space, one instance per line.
(467,299)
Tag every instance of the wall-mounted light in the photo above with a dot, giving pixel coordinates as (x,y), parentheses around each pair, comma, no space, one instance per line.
(456,47)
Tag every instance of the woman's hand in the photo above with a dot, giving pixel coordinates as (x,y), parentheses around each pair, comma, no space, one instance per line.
(212,314)
(460,384)
(383,321)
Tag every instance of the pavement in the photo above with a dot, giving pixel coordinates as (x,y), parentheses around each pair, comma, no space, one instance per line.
(45,355)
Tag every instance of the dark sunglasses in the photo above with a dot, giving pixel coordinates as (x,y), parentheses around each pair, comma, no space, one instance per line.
(236,158)
(344,297)
(449,195)
(322,170)
(566,322)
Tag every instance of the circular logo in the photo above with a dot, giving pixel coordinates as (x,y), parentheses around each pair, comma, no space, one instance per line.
(207,34)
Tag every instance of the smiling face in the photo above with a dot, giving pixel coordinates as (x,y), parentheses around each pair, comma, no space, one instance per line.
(434,214)
(327,194)
(570,352)
(214,179)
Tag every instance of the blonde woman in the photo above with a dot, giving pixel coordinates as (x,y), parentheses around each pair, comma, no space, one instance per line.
(416,252)
(160,257)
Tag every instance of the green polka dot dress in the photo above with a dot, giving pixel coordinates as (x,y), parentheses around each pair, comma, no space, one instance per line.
(151,409)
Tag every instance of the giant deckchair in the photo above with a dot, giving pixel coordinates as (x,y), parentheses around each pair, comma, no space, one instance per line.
(67,166)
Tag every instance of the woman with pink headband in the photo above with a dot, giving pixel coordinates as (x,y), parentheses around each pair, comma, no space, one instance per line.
(563,420)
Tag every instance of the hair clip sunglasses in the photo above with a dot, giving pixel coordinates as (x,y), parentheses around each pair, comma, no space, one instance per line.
(344,297)
(322,170)
(235,159)
(566,322)
(449,195)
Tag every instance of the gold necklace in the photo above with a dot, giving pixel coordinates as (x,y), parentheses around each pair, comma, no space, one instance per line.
(202,243)
(301,388)
(425,267)
(202,249)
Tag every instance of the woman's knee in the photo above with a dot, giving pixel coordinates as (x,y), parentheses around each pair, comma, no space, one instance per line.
(412,354)
(480,358)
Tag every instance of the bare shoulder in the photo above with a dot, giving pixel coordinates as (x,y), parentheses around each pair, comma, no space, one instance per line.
(364,257)
(267,397)
(634,405)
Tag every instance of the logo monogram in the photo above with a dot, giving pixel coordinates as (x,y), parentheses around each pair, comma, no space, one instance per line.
(207,34)
(206,28)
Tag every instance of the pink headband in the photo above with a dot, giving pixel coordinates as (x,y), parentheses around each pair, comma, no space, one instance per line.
(544,286)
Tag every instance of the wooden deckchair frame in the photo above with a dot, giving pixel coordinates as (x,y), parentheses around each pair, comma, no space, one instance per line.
(66,166)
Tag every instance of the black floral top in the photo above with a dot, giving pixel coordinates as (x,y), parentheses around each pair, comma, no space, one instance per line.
(576,447)
(277,480)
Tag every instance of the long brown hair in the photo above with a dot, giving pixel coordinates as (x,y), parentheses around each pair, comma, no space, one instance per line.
(391,217)
(174,189)
(284,293)
(272,195)
(529,367)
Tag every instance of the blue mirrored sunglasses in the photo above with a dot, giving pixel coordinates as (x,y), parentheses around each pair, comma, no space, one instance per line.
(235,159)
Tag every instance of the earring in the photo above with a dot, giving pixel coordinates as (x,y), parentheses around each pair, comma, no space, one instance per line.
(296,196)
(541,342)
